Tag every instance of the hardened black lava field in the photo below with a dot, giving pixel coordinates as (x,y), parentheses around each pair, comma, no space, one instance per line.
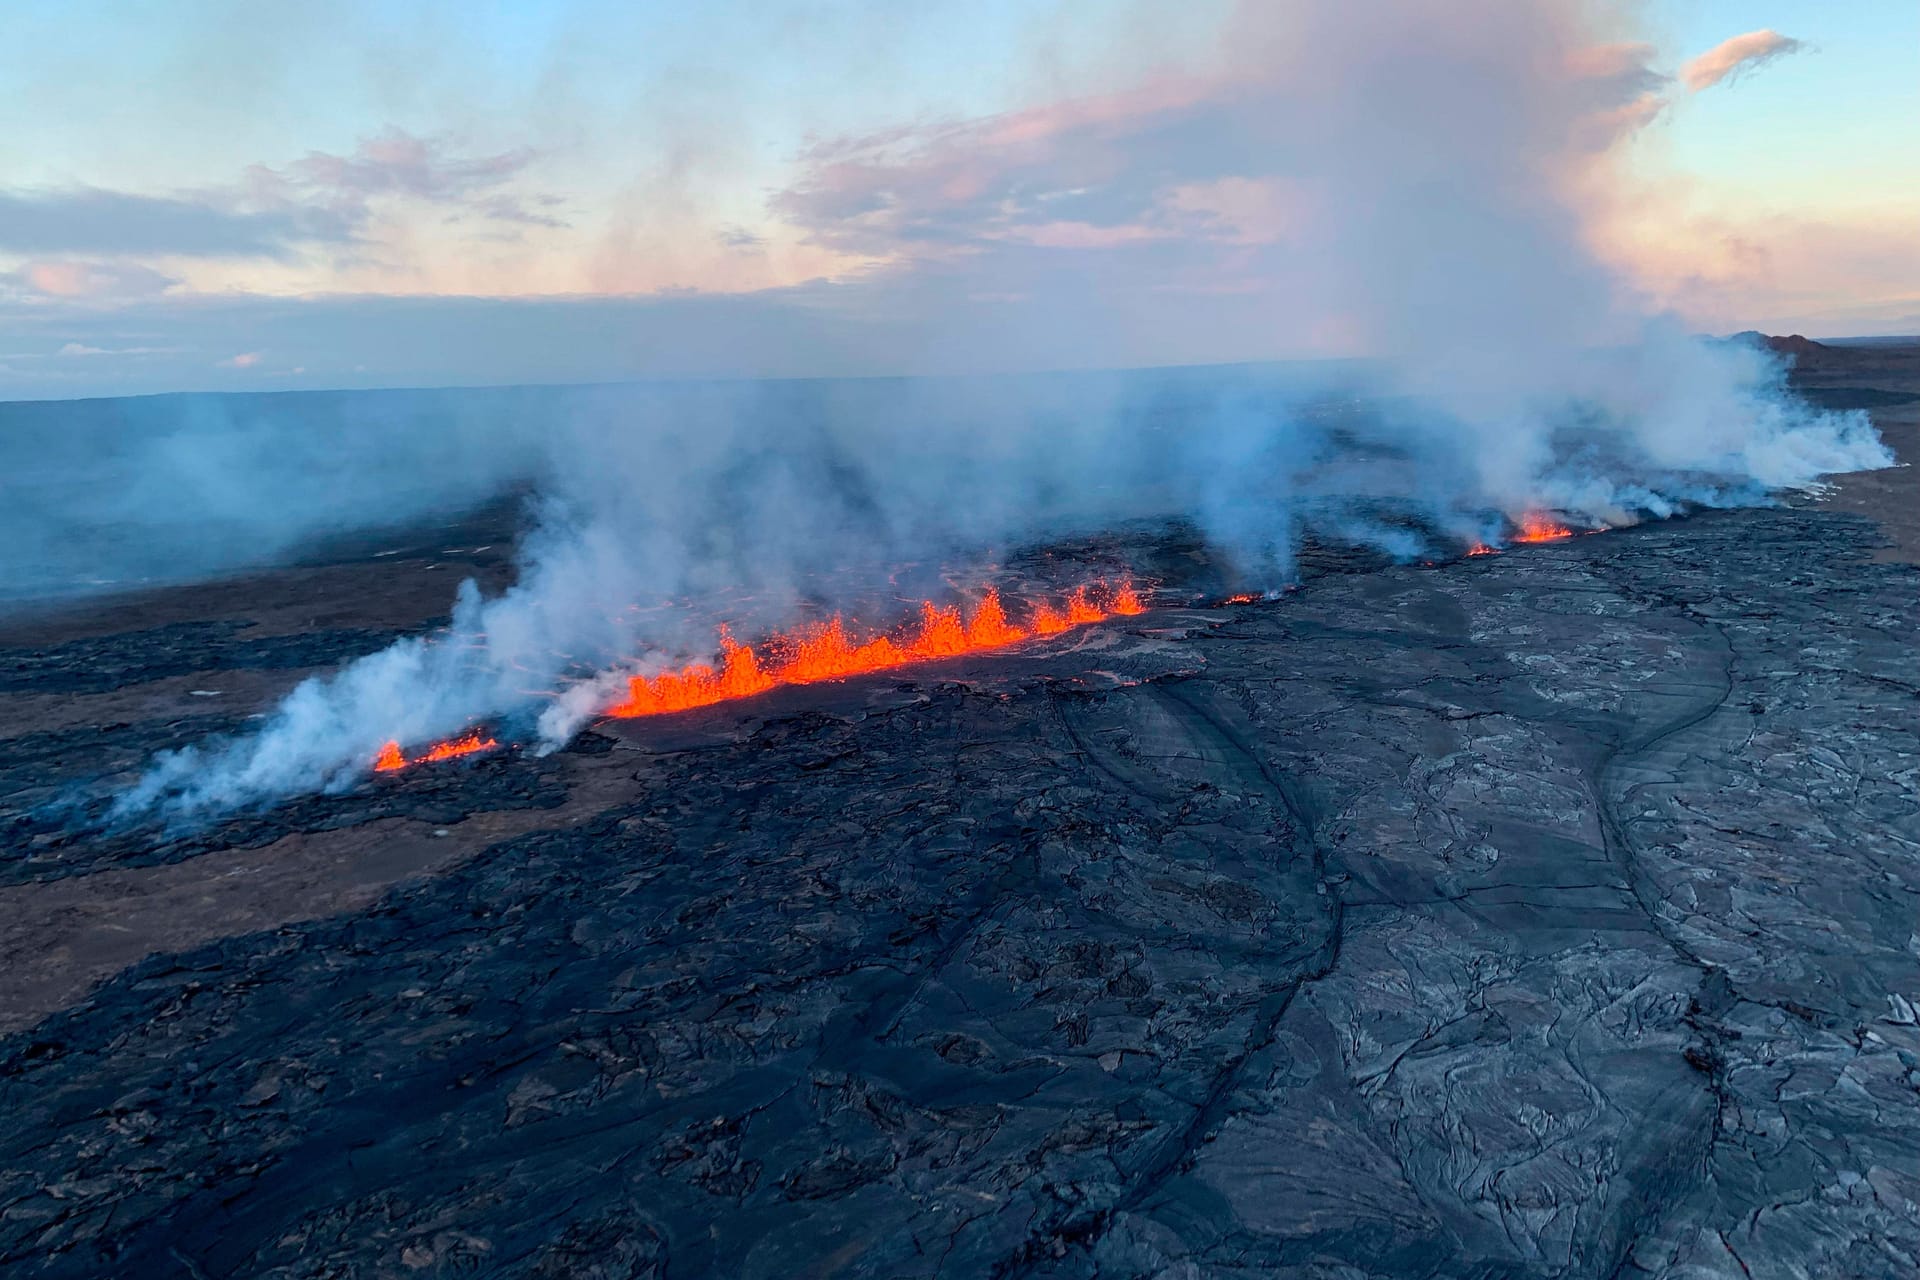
(1548,913)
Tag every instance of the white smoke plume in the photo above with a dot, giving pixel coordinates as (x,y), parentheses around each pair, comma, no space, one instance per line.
(1412,176)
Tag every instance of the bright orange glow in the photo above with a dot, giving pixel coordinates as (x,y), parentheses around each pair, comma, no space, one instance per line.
(824,651)
(1536,526)
(391,758)
(471,744)
(1482,549)
(1245,597)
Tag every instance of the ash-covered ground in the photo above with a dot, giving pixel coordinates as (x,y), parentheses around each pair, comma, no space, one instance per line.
(1552,913)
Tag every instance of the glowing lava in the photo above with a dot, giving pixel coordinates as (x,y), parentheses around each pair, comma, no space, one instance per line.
(820,651)
(1537,527)
(1482,549)
(391,758)
(824,651)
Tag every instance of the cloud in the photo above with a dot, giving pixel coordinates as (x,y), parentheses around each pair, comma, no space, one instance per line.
(88,220)
(1731,59)
(1753,268)
(1264,207)
(1063,171)
(1234,157)
(70,279)
(81,349)
(398,164)
(1288,200)
(1258,205)
(319,199)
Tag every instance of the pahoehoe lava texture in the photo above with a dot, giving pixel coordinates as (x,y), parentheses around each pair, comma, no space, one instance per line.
(97,664)
(1545,914)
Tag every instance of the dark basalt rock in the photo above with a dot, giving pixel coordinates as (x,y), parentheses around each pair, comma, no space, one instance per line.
(98,664)
(1543,914)
(53,831)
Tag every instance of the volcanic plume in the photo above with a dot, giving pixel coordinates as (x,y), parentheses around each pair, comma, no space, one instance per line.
(1437,167)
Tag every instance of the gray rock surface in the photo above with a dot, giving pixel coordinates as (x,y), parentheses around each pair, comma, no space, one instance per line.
(1554,913)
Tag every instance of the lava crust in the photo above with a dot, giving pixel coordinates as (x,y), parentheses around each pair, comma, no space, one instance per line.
(1549,913)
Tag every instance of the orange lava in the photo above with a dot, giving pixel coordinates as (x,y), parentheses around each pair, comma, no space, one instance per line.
(824,650)
(1245,597)
(391,758)
(1482,549)
(1537,527)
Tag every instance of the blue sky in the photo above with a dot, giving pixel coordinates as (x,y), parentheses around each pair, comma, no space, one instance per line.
(230,194)
(1837,127)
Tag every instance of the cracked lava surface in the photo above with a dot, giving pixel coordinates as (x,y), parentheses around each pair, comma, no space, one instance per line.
(1544,914)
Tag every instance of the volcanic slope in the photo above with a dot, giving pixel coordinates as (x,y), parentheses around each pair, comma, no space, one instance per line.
(1548,913)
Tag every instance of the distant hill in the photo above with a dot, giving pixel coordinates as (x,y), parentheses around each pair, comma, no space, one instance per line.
(1793,344)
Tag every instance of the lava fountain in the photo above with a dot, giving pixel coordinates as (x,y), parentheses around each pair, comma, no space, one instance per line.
(826,651)
(1536,526)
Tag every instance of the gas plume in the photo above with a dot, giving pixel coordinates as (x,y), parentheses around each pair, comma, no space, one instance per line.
(1427,174)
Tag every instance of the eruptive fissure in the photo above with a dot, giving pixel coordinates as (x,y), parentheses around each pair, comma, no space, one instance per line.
(392,758)
(1537,527)
(826,651)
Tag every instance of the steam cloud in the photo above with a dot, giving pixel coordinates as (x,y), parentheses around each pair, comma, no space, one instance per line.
(1421,174)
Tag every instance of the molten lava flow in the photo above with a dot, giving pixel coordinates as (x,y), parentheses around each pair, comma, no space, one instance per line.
(824,651)
(1073,612)
(1535,526)
(1482,549)
(471,744)
(1245,597)
(391,758)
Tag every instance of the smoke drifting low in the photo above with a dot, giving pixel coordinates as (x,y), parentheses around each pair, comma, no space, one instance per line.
(1424,174)
(108,495)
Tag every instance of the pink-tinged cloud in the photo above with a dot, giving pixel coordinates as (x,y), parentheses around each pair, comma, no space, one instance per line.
(65,279)
(398,164)
(1731,59)
(1311,159)
(245,360)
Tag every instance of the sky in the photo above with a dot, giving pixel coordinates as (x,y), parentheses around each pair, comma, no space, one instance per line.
(200,195)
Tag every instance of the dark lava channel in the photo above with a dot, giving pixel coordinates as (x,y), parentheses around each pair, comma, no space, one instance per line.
(1546,914)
